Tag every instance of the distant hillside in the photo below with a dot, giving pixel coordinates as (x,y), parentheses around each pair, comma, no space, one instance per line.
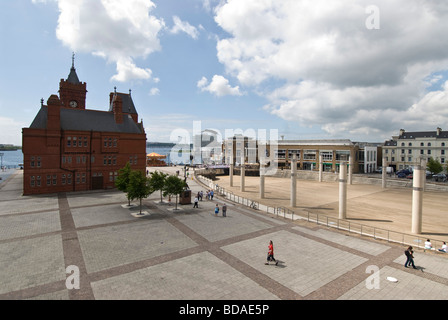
(9,147)
(161,144)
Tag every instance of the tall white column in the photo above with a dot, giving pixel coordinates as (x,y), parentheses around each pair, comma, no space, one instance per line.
(417,200)
(384,174)
(293,180)
(343,190)
(423,162)
(321,165)
(261,185)
(350,169)
(243,174)
(231,175)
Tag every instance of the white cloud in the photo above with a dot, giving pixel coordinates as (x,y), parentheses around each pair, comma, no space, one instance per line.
(118,31)
(154,92)
(329,69)
(183,26)
(127,70)
(219,86)
(202,83)
(11,131)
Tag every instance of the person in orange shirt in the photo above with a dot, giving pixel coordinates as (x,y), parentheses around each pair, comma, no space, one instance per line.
(271,253)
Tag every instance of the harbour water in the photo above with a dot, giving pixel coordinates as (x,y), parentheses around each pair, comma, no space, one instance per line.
(12,159)
(174,155)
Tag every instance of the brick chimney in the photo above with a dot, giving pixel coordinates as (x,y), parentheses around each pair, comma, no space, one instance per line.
(117,104)
(54,113)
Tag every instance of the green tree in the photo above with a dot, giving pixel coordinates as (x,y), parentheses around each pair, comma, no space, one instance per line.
(434,166)
(122,181)
(174,186)
(157,181)
(139,187)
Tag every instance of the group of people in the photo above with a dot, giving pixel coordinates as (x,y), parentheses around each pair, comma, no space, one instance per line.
(428,246)
(209,196)
(224,210)
(410,253)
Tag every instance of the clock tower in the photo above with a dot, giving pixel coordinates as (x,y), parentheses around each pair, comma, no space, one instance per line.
(72,92)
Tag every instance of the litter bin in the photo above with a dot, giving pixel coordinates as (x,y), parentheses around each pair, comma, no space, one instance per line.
(185,197)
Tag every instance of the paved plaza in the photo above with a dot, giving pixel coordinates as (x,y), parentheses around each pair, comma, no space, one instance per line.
(191,254)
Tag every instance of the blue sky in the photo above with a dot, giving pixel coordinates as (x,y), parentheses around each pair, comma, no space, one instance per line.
(310,69)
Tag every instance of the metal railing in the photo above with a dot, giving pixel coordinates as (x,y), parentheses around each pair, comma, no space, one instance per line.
(229,195)
(416,241)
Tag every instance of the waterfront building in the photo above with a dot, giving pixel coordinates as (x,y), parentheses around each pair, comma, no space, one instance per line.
(70,148)
(408,148)
(364,156)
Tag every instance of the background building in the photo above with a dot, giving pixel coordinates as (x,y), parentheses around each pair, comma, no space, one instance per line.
(406,149)
(363,155)
(69,148)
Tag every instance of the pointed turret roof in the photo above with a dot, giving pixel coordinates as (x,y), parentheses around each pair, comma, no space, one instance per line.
(73,77)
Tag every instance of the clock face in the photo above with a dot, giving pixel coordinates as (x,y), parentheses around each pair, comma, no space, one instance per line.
(73,104)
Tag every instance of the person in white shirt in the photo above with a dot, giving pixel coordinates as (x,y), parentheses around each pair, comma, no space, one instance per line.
(443,249)
(428,244)
(196,203)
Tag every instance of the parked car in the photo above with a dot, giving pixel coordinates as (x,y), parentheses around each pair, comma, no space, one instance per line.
(410,176)
(401,175)
(405,172)
(440,177)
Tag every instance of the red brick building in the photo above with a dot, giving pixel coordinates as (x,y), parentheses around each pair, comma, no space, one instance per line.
(70,148)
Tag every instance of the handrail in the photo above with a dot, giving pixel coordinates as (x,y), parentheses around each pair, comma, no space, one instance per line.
(341,224)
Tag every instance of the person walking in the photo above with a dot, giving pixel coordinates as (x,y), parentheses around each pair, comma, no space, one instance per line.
(216,210)
(271,253)
(409,258)
(196,202)
(224,210)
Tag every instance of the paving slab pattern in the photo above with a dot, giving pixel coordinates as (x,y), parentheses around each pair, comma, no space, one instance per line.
(191,254)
